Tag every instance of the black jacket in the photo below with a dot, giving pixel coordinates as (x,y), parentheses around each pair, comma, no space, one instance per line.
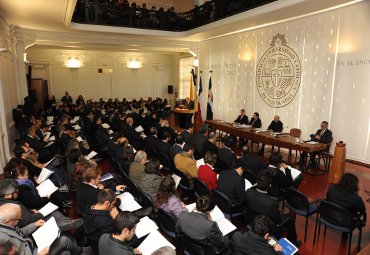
(242,120)
(252,244)
(198,141)
(232,185)
(276,126)
(86,196)
(226,156)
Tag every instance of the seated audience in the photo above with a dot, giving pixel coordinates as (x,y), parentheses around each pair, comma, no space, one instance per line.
(232,184)
(164,145)
(137,168)
(151,178)
(225,155)
(199,225)
(185,162)
(206,172)
(167,198)
(255,241)
(177,147)
(199,139)
(187,133)
(252,162)
(210,145)
(123,230)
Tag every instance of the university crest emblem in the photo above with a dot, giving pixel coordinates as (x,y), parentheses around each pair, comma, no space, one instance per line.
(278,74)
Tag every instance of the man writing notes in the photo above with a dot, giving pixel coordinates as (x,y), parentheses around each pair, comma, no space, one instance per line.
(242,118)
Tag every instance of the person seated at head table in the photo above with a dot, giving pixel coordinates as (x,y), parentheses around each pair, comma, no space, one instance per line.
(188,104)
(242,118)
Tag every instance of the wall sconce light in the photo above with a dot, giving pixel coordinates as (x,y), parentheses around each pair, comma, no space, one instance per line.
(73,63)
(134,64)
(25,58)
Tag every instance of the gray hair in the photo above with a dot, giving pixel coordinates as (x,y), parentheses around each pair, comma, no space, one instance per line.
(8,211)
(8,186)
(140,156)
(165,250)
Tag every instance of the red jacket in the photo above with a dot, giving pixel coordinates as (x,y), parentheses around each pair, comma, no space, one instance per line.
(208,176)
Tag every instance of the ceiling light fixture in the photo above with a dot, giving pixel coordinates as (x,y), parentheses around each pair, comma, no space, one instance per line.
(134,64)
(73,63)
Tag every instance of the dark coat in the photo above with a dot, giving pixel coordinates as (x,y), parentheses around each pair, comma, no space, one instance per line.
(242,120)
(227,156)
(86,196)
(252,244)
(232,185)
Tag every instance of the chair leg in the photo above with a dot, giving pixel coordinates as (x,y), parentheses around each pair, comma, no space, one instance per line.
(305,229)
(325,231)
(314,235)
(318,233)
(349,243)
(359,239)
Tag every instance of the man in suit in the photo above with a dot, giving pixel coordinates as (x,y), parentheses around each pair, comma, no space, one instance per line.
(275,126)
(259,202)
(185,162)
(199,139)
(45,152)
(187,133)
(152,140)
(165,127)
(115,146)
(188,104)
(133,137)
(164,145)
(255,121)
(255,240)
(209,145)
(252,162)
(242,118)
(225,155)
(232,184)
(177,147)
(323,135)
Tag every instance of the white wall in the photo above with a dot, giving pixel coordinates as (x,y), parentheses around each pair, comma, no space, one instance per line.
(151,80)
(335,58)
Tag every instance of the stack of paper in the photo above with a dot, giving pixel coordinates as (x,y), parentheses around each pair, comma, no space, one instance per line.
(45,173)
(139,129)
(223,224)
(177,180)
(200,162)
(46,188)
(153,242)
(48,208)
(46,234)
(145,226)
(128,202)
(312,142)
(91,155)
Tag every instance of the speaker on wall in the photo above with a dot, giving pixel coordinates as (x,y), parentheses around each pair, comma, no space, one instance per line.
(170,89)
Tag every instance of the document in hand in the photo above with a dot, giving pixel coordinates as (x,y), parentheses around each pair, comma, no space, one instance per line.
(153,242)
(177,180)
(49,118)
(105,125)
(145,226)
(48,208)
(76,127)
(52,138)
(139,129)
(223,224)
(50,143)
(91,155)
(46,188)
(47,135)
(45,173)
(248,185)
(47,163)
(190,207)
(288,247)
(128,202)
(79,139)
(46,234)
(106,177)
(295,173)
(75,119)
(200,162)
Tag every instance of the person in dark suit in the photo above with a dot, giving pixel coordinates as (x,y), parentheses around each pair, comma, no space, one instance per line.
(45,153)
(68,134)
(67,98)
(255,240)
(188,104)
(276,125)
(165,127)
(133,137)
(198,225)
(345,194)
(252,162)
(187,133)
(20,121)
(255,121)
(323,135)
(242,118)
(164,145)
(232,184)
(210,145)
(152,140)
(199,139)
(225,155)
(177,147)
(115,147)
(259,202)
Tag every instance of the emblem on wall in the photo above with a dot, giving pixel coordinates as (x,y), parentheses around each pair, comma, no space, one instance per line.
(278,74)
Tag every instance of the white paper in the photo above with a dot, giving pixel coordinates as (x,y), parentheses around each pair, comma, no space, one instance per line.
(46,188)
(110,132)
(46,135)
(49,118)
(224,224)
(48,208)
(248,185)
(128,202)
(105,125)
(177,180)
(139,129)
(45,235)
(45,173)
(91,155)
(191,207)
(47,163)
(79,139)
(312,142)
(76,127)
(145,226)
(50,143)
(75,119)
(218,176)
(200,162)
(295,172)
(107,176)
(52,138)
(153,242)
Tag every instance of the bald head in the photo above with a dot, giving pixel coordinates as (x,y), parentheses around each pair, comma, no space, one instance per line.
(10,214)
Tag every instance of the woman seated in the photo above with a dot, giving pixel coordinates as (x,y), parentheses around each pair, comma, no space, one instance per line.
(167,198)
(199,226)
(151,179)
(345,194)
(206,172)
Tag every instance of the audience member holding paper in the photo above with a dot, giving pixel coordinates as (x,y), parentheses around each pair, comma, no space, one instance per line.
(117,242)
(255,240)
(206,172)
(200,226)
(167,198)
(9,217)
(282,175)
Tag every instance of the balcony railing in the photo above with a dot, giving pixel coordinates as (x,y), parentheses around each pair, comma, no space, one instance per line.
(122,14)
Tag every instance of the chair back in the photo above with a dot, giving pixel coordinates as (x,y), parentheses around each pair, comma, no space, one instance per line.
(197,154)
(296,199)
(117,166)
(184,183)
(296,132)
(164,159)
(197,247)
(200,187)
(146,200)
(335,214)
(167,222)
(222,201)
(134,189)
(152,153)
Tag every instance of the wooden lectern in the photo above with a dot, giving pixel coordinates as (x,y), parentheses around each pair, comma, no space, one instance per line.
(338,163)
